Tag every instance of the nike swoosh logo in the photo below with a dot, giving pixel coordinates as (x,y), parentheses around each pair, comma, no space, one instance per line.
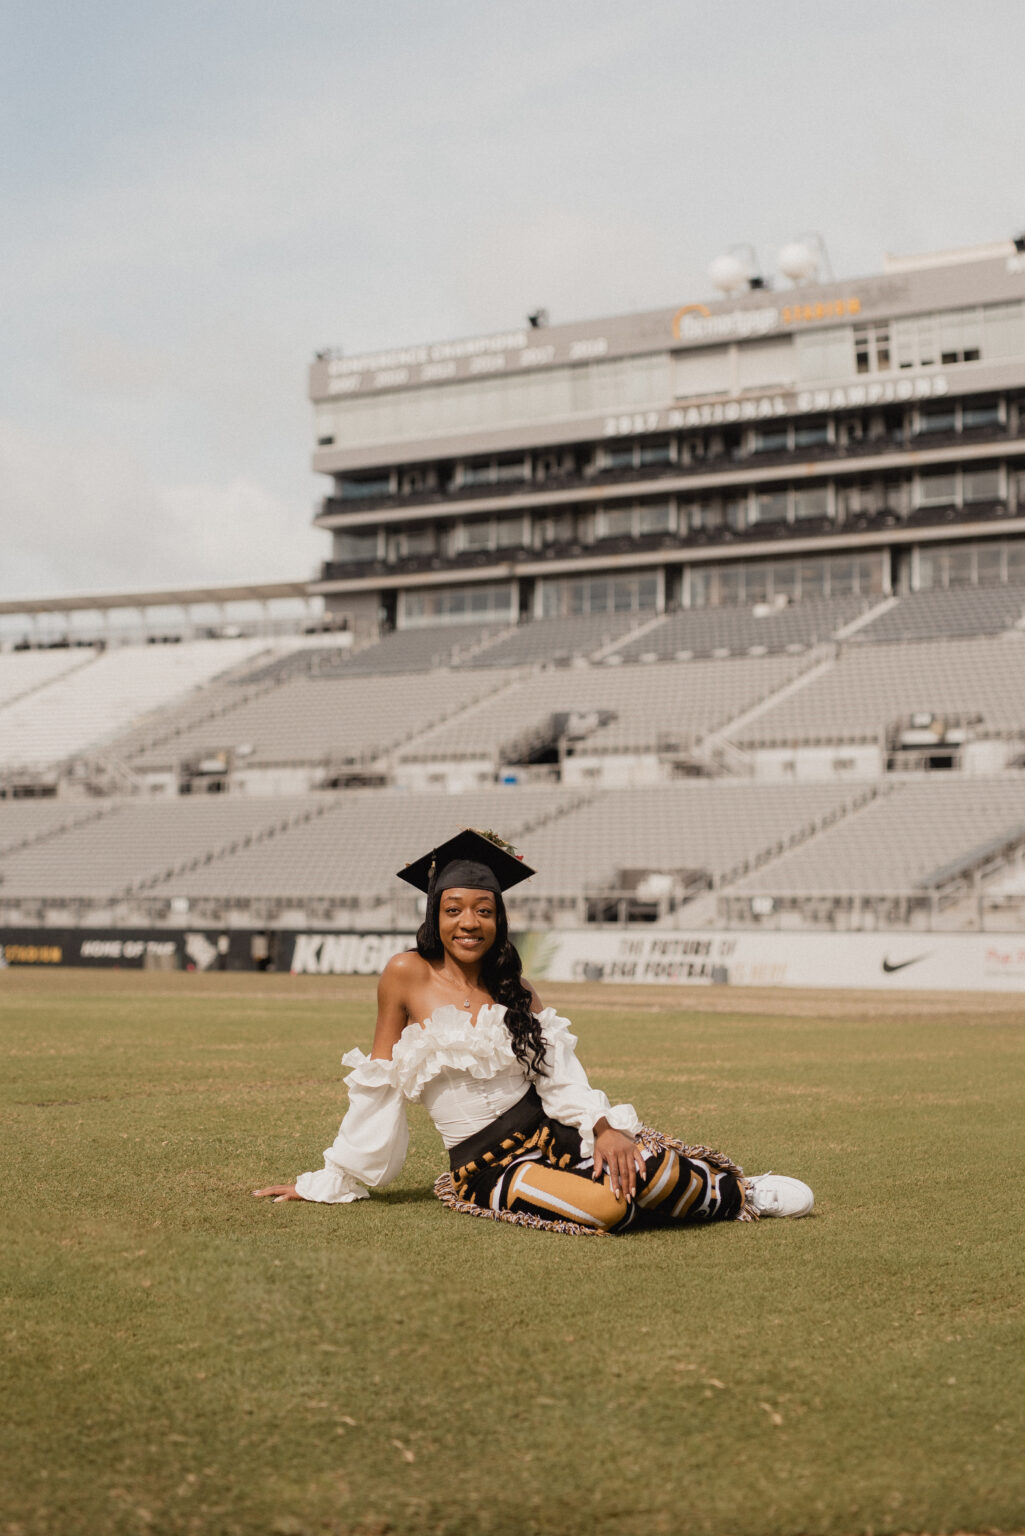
(899,965)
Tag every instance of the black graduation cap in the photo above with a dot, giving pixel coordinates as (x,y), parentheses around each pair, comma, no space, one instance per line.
(468,860)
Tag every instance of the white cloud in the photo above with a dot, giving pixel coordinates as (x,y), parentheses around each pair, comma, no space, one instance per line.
(86,517)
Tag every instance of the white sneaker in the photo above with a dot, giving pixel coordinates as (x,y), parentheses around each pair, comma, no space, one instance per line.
(774,1194)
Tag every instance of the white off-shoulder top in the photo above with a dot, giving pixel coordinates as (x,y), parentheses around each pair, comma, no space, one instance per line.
(466,1075)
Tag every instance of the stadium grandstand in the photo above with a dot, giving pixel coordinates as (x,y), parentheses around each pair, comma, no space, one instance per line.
(717,612)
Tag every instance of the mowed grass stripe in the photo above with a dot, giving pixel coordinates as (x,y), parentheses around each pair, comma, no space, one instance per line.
(183,1358)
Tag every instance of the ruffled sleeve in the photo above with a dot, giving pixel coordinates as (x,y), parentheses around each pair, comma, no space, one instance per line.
(565,1092)
(371,1144)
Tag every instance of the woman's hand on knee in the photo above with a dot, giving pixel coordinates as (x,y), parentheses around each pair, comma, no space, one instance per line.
(620,1157)
(278,1192)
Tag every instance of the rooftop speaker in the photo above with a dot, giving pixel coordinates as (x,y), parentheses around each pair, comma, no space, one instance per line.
(730,272)
(799,261)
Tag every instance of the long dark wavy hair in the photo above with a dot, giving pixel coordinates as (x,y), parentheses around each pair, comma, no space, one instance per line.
(501,974)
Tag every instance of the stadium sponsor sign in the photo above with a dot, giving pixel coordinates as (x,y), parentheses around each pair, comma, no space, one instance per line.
(700,323)
(897,960)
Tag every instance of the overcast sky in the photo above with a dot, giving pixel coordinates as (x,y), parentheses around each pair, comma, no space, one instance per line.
(198,196)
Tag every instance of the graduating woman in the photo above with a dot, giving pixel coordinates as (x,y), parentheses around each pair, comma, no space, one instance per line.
(529,1140)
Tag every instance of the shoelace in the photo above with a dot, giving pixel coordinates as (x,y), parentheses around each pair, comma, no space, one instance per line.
(764,1199)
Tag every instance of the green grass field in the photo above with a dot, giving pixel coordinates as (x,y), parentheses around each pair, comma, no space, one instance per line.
(183,1358)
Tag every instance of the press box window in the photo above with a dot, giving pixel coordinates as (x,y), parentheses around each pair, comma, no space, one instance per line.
(872,348)
(982,485)
(599,594)
(811,434)
(615,522)
(989,565)
(456,605)
(475,535)
(736,511)
(634,521)
(937,490)
(509,533)
(493,471)
(350,489)
(553,530)
(416,541)
(620,456)
(355,547)
(647,452)
(655,517)
(960,336)
(769,440)
(938,419)
(770,507)
(477,474)
(983,413)
(811,501)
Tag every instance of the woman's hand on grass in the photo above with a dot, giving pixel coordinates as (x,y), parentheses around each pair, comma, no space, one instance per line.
(279,1192)
(620,1157)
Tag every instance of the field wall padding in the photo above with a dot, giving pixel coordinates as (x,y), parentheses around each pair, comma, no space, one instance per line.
(962,962)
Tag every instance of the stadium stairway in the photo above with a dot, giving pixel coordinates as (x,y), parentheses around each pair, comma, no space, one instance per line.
(577,640)
(865,619)
(720,753)
(39,683)
(222,696)
(720,747)
(766,857)
(607,652)
(702,911)
(54,823)
(705,911)
(385,761)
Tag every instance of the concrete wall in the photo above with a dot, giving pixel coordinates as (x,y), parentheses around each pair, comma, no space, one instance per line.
(453,776)
(787,765)
(613,770)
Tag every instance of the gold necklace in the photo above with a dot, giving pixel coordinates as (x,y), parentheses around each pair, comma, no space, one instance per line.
(466,1000)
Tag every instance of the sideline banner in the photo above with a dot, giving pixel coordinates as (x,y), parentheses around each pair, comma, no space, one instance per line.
(884,961)
(172,949)
(325,953)
(894,961)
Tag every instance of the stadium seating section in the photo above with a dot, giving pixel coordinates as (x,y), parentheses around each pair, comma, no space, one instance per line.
(96,693)
(743,631)
(674,704)
(898,841)
(603,688)
(948,615)
(872,685)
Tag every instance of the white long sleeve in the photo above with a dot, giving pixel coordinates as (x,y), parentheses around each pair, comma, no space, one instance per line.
(467,1075)
(567,1094)
(371,1144)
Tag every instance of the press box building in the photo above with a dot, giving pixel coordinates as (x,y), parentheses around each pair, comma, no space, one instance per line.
(767,446)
